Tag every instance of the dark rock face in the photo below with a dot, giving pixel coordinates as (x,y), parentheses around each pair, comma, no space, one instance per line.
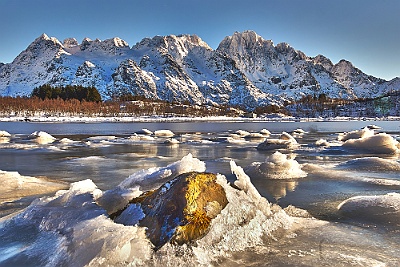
(181,210)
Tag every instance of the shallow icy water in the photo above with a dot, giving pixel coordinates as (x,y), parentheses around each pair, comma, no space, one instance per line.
(315,178)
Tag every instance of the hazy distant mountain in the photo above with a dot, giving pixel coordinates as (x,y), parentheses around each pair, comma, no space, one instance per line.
(244,70)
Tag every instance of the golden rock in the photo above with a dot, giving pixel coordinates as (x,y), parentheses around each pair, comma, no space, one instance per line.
(181,210)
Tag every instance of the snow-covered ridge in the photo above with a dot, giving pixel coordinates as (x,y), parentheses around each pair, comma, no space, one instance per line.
(244,70)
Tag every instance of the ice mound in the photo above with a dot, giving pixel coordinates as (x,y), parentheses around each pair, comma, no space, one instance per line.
(140,137)
(247,221)
(365,132)
(277,166)
(171,141)
(144,131)
(242,133)
(322,142)
(255,136)
(5,134)
(286,141)
(299,131)
(381,143)
(373,127)
(265,132)
(383,208)
(70,229)
(41,137)
(15,186)
(371,164)
(164,133)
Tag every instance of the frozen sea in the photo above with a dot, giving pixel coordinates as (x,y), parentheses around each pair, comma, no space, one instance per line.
(334,188)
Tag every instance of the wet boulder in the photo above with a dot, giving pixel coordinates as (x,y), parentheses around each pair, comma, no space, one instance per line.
(179,211)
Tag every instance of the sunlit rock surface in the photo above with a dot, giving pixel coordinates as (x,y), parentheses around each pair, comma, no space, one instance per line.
(179,211)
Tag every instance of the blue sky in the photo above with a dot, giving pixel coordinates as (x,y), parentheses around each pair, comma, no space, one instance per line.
(365,32)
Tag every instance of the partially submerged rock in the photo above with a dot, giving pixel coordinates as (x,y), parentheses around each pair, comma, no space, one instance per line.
(180,211)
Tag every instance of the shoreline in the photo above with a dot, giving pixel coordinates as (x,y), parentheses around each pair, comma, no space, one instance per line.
(176,119)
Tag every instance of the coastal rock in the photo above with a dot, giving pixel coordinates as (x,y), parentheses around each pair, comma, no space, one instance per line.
(179,211)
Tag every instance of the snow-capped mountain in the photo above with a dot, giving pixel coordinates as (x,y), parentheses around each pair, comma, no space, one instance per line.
(244,70)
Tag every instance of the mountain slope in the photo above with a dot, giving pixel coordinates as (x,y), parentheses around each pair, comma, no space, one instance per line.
(244,70)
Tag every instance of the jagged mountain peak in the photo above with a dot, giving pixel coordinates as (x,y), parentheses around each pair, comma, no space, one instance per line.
(242,41)
(168,43)
(108,46)
(44,38)
(43,47)
(323,61)
(70,42)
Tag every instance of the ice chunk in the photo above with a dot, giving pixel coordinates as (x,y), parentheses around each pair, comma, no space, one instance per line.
(286,141)
(380,144)
(322,142)
(4,134)
(371,164)
(265,132)
(365,132)
(42,137)
(145,131)
(381,208)
(171,141)
(277,166)
(164,133)
(242,133)
(14,186)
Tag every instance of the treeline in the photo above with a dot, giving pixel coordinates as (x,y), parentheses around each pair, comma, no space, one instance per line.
(35,106)
(323,106)
(68,92)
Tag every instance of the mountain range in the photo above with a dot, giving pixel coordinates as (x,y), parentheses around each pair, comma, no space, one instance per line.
(244,70)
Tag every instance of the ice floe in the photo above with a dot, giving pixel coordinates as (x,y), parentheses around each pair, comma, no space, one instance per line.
(377,208)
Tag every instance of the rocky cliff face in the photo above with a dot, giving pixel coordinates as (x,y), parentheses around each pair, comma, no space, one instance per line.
(244,70)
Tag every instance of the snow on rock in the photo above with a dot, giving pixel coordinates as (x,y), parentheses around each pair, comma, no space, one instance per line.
(381,208)
(277,166)
(42,137)
(5,134)
(4,137)
(265,132)
(381,143)
(117,198)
